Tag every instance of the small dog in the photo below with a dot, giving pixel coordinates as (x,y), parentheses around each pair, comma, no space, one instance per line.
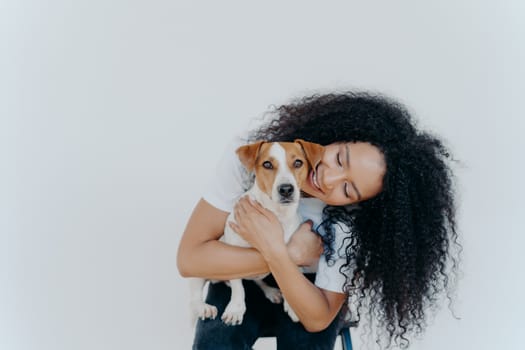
(280,169)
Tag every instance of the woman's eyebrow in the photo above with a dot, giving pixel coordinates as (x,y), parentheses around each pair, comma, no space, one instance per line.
(348,167)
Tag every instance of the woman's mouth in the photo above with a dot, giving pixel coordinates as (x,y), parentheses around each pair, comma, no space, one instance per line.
(314,181)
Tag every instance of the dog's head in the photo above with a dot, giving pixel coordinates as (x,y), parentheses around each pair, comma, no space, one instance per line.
(280,167)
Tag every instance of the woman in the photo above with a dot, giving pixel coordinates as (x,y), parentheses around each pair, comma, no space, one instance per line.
(387,224)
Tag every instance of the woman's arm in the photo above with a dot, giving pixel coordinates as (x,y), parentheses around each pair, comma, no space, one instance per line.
(315,307)
(200,254)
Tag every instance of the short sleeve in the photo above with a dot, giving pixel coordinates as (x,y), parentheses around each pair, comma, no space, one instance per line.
(229,180)
(329,275)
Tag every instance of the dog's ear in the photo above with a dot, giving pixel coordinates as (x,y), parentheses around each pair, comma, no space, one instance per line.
(312,151)
(248,154)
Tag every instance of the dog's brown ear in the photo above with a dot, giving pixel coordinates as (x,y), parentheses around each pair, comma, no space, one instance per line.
(312,151)
(248,154)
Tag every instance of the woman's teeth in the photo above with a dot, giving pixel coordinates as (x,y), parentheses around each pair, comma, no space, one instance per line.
(314,180)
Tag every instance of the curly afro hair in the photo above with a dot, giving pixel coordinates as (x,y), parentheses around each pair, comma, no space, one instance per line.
(398,250)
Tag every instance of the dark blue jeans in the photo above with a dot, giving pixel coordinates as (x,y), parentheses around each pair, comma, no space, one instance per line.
(262,318)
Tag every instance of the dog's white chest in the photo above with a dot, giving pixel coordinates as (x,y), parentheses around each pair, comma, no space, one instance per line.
(288,216)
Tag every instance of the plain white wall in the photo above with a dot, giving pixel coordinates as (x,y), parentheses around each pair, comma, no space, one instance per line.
(113,114)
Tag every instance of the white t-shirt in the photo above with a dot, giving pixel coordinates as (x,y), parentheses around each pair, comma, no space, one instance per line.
(229,183)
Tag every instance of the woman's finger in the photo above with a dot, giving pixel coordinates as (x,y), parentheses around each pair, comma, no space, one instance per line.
(268,214)
(238,212)
(252,208)
(244,204)
(257,206)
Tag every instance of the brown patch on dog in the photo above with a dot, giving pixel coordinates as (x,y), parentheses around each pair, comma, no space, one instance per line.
(301,157)
(313,152)
(248,154)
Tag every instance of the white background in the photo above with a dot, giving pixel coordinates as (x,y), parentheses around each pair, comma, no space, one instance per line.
(113,114)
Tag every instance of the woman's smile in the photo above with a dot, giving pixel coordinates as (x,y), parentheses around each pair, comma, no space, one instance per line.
(314,180)
(347,173)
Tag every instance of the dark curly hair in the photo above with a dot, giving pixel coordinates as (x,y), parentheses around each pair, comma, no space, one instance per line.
(398,251)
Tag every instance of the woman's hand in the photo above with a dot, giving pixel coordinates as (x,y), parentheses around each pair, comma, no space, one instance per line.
(305,246)
(263,231)
(314,306)
(258,226)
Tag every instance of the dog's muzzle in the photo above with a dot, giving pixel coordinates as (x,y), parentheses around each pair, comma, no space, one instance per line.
(286,193)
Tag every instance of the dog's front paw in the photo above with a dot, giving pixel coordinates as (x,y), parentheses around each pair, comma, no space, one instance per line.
(203,310)
(234,313)
(273,294)
(290,311)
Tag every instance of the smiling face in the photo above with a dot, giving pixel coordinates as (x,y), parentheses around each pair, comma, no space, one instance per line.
(347,173)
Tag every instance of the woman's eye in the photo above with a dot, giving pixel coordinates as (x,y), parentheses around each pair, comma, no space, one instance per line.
(267,165)
(339,160)
(298,163)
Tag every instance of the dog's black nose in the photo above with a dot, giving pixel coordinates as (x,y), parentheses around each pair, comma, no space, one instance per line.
(286,190)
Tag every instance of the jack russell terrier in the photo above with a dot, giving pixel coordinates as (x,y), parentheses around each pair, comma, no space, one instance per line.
(280,169)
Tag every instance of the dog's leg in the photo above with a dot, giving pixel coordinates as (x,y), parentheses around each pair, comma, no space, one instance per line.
(236,308)
(290,312)
(198,307)
(271,293)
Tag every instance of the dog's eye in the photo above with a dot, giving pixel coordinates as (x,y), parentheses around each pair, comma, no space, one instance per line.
(298,163)
(267,165)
